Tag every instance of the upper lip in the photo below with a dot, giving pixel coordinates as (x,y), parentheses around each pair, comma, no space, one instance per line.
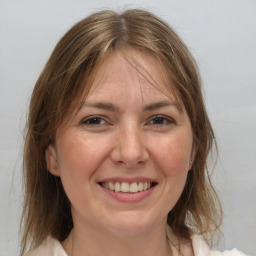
(128,179)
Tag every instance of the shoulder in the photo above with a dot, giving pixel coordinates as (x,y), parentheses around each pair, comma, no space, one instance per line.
(196,246)
(200,248)
(50,247)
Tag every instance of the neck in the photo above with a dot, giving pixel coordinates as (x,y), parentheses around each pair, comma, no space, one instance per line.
(94,242)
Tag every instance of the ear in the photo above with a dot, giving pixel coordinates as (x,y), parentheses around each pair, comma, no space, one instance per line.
(192,158)
(51,160)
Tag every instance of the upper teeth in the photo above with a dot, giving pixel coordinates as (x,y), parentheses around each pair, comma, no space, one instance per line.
(125,187)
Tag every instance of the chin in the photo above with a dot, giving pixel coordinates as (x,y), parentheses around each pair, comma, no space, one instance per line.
(131,223)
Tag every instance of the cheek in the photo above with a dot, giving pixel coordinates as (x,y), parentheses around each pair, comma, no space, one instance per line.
(73,165)
(173,155)
(78,154)
(173,161)
(78,157)
(72,157)
(78,160)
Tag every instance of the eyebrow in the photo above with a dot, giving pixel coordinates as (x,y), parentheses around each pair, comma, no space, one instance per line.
(161,104)
(102,105)
(150,107)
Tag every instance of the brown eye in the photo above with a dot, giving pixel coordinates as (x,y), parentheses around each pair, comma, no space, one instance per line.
(160,121)
(94,121)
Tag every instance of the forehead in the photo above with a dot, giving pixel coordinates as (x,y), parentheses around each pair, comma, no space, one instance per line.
(136,74)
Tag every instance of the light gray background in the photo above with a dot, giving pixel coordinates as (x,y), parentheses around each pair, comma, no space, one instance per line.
(222,36)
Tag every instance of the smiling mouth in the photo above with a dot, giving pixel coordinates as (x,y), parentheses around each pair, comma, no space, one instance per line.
(125,187)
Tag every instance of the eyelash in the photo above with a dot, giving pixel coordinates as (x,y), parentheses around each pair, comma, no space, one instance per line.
(166,121)
(96,121)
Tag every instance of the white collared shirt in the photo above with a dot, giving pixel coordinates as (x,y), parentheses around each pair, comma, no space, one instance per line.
(52,247)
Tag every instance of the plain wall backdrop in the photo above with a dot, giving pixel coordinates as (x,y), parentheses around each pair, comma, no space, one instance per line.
(221,34)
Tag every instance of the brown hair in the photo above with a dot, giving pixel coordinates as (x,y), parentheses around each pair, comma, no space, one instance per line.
(65,82)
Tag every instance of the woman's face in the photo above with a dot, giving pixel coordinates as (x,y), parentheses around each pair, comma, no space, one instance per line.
(124,158)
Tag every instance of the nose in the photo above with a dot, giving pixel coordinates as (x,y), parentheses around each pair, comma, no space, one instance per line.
(130,148)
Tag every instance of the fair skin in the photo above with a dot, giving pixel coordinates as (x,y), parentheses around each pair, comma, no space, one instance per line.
(128,136)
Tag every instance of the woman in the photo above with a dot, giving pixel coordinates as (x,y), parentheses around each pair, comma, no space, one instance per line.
(116,145)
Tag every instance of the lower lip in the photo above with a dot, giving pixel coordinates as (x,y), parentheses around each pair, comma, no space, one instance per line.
(128,197)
